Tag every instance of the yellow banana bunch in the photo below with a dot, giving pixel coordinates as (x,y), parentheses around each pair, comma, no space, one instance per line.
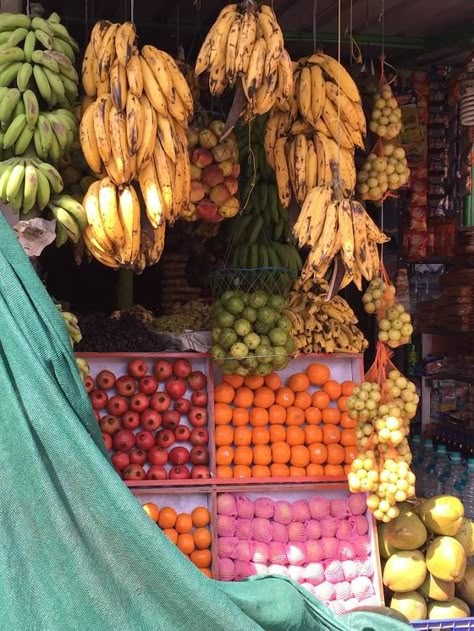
(246,44)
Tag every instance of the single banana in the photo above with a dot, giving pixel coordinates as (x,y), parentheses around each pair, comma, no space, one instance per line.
(118,85)
(282,172)
(301,152)
(165,178)
(101,111)
(106,54)
(134,74)
(108,206)
(8,104)
(150,188)
(231,50)
(94,219)
(245,44)
(14,130)
(89,64)
(42,83)
(129,211)
(97,251)
(152,89)
(254,76)
(150,127)
(125,38)
(165,135)
(31,108)
(88,141)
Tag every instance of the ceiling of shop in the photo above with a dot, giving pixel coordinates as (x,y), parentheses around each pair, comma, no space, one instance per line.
(414,32)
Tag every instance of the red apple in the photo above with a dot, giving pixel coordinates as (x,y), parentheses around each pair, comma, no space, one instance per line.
(148,385)
(197,417)
(160,401)
(150,420)
(124,440)
(137,456)
(117,405)
(165,438)
(199,436)
(197,380)
(137,368)
(182,405)
(200,472)
(162,370)
(199,455)
(182,433)
(176,387)
(156,472)
(182,368)
(139,402)
(134,472)
(178,455)
(97,414)
(98,399)
(126,386)
(130,420)
(105,379)
(145,440)
(157,456)
(199,398)
(120,460)
(179,472)
(89,384)
(171,419)
(109,424)
(108,441)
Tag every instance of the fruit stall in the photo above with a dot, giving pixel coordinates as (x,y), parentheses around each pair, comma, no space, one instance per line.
(260,238)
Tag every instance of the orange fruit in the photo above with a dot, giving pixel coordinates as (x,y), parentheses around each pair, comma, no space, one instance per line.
(261,471)
(314,470)
(206,571)
(279,470)
(262,454)
(347,388)
(152,511)
(348,437)
(342,403)
(201,558)
(347,422)
(260,436)
(243,397)
(184,523)
(285,397)
(320,399)
(297,472)
(300,456)
(298,382)
(295,435)
(168,517)
(171,534)
(242,436)
(222,413)
(253,382)
(224,472)
(318,453)
(242,471)
(302,400)
(240,416)
(294,416)
(264,397)
(200,516)
(224,393)
(333,389)
(336,454)
(318,374)
(334,470)
(224,435)
(277,433)
(224,455)
(258,417)
(351,454)
(243,455)
(273,381)
(281,452)
(313,416)
(347,469)
(277,414)
(331,434)
(236,381)
(202,538)
(313,433)
(331,416)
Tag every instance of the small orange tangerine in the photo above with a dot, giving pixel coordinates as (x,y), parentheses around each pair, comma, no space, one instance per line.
(184,523)
(206,571)
(258,417)
(260,436)
(300,456)
(242,436)
(295,435)
(294,416)
(303,400)
(277,433)
(279,470)
(347,387)
(224,472)
(222,413)
(336,454)
(202,538)
(347,422)
(262,454)
(314,470)
(152,511)
(236,381)
(348,437)
(243,455)
(351,454)
(297,472)
(240,416)
(224,393)
(242,471)
(298,382)
(333,389)
(331,416)
(224,455)
(318,374)
(347,469)
(281,452)
(313,416)
(167,518)
(201,516)
(334,470)
(320,399)
(243,397)
(285,397)
(273,381)
(171,534)
(201,558)
(318,453)
(261,471)
(264,397)
(253,382)
(342,403)
(224,435)
(277,414)
(313,434)
(331,434)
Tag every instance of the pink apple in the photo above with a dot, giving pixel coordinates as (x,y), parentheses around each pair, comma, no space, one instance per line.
(157,456)
(199,398)
(162,370)
(182,405)
(150,420)
(117,405)
(130,420)
(139,402)
(175,387)
(134,472)
(200,472)
(197,380)
(156,472)
(171,419)
(165,438)
(137,456)
(182,368)
(108,441)
(98,399)
(126,386)
(182,433)
(105,379)
(179,472)
(145,440)
(137,368)
(199,436)
(124,440)
(89,384)
(109,424)
(199,455)
(148,385)
(120,460)
(197,417)
(160,401)
(179,455)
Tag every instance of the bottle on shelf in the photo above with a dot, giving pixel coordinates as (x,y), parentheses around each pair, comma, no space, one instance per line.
(442,470)
(457,477)
(425,481)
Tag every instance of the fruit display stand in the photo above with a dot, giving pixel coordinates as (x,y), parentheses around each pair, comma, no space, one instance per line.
(452,624)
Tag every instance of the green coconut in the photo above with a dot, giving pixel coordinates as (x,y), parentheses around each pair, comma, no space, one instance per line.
(407,531)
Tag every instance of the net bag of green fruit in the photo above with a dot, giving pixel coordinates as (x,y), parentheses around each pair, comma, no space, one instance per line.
(77,550)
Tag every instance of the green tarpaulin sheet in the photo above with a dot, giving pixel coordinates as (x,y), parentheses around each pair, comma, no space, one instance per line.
(77,552)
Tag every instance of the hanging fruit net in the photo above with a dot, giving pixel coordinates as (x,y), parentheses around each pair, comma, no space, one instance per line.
(272,280)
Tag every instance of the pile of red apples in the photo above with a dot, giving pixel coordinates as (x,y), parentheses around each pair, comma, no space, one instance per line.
(154,423)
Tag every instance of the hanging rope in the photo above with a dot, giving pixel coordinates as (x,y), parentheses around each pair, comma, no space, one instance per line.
(382,76)
(339,11)
(132,11)
(28,7)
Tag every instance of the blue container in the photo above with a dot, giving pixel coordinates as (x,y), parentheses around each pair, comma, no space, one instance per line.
(459,624)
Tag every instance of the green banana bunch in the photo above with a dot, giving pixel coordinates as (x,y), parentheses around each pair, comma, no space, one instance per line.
(70,218)
(75,336)
(25,182)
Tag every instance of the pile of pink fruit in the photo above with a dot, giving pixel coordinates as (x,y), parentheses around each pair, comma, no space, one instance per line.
(154,420)
(323,544)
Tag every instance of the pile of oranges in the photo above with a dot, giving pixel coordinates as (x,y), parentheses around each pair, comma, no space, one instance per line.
(267,429)
(188,531)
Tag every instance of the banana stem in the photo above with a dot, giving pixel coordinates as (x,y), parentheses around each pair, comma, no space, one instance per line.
(125,289)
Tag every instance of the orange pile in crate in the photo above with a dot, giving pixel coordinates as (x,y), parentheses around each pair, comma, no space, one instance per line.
(188,531)
(265,428)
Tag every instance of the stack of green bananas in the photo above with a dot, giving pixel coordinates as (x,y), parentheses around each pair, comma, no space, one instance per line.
(75,336)
(25,182)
